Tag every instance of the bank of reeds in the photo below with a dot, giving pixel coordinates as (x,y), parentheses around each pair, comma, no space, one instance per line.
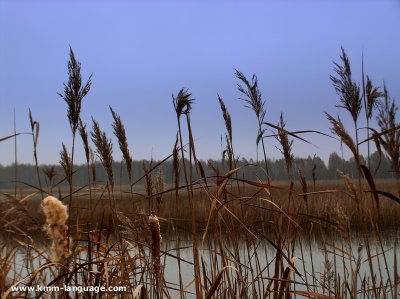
(224,236)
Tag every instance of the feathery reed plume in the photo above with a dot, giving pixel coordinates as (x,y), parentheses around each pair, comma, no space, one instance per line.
(119,132)
(350,185)
(50,172)
(85,140)
(183,106)
(286,151)
(346,88)
(373,95)
(154,226)
(339,130)
(73,95)
(227,118)
(56,217)
(175,162)
(253,94)
(349,92)
(228,135)
(183,102)
(66,164)
(303,183)
(74,91)
(386,120)
(104,151)
(254,101)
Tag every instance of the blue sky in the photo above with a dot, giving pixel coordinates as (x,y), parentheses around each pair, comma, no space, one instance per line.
(140,52)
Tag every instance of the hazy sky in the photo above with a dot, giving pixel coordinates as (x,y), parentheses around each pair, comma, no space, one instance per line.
(140,52)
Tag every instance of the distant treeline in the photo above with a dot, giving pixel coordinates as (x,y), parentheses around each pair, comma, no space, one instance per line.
(310,167)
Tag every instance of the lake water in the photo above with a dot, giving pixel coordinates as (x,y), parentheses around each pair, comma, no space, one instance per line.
(321,266)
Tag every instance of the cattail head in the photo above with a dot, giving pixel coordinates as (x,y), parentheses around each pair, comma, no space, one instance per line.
(54,210)
(154,226)
(56,216)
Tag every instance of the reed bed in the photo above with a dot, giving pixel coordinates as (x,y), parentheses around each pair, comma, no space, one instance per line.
(207,236)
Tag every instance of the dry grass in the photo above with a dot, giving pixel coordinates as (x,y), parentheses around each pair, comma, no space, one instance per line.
(243,236)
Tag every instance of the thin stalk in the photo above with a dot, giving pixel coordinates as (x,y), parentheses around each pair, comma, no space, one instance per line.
(193,216)
(15,158)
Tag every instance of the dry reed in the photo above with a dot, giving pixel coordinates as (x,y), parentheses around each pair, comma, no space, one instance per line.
(104,151)
(74,91)
(119,132)
(386,120)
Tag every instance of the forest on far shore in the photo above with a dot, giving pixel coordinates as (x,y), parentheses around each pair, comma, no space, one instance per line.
(311,167)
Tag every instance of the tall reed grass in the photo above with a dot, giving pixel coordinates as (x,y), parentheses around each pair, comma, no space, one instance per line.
(236,237)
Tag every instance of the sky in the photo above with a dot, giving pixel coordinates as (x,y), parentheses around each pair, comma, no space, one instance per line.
(142,52)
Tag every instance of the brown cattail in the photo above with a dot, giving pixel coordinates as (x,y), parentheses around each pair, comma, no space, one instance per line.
(56,216)
(154,225)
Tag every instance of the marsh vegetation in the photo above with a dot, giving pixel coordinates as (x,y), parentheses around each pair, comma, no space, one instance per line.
(213,230)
